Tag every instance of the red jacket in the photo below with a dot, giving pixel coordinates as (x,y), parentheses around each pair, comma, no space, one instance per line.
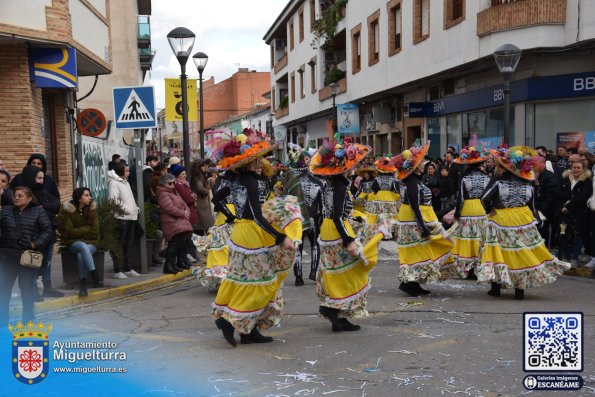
(189,198)
(172,213)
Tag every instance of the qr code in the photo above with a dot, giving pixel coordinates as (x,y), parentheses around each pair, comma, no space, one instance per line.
(553,342)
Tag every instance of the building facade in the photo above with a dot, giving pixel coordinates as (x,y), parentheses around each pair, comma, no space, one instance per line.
(420,69)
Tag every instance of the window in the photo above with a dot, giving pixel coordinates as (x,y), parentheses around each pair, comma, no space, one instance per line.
(292,87)
(313,74)
(373,39)
(291,39)
(302,85)
(395,24)
(356,49)
(312,14)
(421,20)
(301,24)
(454,12)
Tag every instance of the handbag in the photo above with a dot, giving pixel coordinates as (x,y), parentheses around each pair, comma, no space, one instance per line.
(32,259)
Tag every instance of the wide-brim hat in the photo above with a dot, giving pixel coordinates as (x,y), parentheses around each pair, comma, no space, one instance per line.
(520,161)
(318,168)
(257,150)
(408,161)
(366,168)
(470,155)
(385,166)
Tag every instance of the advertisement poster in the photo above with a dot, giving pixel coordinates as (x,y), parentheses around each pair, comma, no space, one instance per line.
(348,118)
(570,139)
(173,100)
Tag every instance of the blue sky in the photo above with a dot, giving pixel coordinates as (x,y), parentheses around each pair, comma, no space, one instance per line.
(229,31)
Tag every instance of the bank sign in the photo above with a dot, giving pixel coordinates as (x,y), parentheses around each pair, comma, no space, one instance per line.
(532,89)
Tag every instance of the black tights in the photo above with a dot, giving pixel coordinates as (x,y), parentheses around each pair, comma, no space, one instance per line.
(314,252)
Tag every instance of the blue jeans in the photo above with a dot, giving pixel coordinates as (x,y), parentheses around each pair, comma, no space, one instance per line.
(45,271)
(84,257)
(10,269)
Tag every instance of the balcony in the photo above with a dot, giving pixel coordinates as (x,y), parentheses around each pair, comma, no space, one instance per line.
(325,92)
(281,112)
(144,31)
(281,63)
(514,14)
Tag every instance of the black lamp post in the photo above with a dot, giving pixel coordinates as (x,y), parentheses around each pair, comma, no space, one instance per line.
(181,41)
(334,91)
(200,60)
(270,126)
(507,58)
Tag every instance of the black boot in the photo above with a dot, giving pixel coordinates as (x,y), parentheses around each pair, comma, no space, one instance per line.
(347,326)
(332,315)
(49,292)
(227,329)
(95,277)
(409,289)
(471,275)
(170,260)
(299,281)
(83,287)
(254,337)
(183,262)
(312,275)
(168,268)
(417,287)
(519,294)
(495,290)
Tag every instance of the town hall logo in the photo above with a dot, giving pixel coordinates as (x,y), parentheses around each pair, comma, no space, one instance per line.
(30,352)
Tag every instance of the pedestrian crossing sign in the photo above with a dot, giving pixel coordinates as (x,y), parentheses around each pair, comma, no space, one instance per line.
(134,107)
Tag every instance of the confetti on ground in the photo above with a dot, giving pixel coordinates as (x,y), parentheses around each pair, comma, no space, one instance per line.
(312,362)
(451,321)
(374,369)
(402,352)
(341,352)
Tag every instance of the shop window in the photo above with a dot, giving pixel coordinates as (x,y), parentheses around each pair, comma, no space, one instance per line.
(373,38)
(454,12)
(421,20)
(356,49)
(394,26)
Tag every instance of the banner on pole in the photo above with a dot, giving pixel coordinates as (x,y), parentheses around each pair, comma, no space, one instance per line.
(173,100)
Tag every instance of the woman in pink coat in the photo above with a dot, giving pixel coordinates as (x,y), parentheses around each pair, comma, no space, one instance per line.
(183,188)
(174,217)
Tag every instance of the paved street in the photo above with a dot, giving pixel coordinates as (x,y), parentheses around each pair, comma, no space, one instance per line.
(457,341)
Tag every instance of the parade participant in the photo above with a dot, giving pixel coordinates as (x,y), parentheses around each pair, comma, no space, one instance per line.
(308,190)
(367,175)
(424,251)
(469,212)
(346,261)
(250,297)
(514,254)
(384,199)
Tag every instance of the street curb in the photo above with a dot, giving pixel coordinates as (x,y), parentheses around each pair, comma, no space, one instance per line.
(107,293)
(580,272)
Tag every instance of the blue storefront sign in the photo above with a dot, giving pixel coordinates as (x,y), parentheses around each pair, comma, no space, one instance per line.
(53,67)
(348,118)
(532,89)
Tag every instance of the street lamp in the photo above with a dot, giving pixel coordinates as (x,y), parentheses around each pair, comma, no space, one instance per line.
(270,126)
(334,91)
(507,58)
(181,41)
(200,60)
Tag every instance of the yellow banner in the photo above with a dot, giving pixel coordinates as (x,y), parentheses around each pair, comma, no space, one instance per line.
(173,100)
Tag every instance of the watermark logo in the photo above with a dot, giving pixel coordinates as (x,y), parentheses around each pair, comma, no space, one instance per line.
(30,352)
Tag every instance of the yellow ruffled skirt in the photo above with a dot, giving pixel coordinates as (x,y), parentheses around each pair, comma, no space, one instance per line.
(343,280)
(251,293)
(514,253)
(382,203)
(468,237)
(422,259)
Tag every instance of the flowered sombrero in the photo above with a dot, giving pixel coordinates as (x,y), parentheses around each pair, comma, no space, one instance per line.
(299,158)
(334,158)
(384,166)
(522,161)
(408,161)
(368,169)
(235,152)
(472,155)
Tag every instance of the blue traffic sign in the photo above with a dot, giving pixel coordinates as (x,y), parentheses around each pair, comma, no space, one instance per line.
(134,107)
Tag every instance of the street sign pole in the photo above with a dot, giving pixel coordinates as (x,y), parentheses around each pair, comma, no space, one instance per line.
(139,144)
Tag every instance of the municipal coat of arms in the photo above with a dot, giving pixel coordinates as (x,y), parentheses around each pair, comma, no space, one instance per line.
(30,352)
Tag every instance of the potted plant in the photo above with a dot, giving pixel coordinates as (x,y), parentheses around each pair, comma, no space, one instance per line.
(108,241)
(284,102)
(325,27)
(333,75)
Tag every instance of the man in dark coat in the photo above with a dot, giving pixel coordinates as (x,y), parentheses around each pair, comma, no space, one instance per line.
(547,202)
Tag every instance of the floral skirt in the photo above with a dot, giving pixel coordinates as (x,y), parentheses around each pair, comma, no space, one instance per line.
(359,202)
(250,295)
(422,259)
(514,253)
(343,280)
(217,251)
(468,237)
(383,203)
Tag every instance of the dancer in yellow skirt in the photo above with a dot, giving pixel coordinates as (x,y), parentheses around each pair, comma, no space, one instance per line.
(249,297)
(360,194)
(469,231)
(346,261)
(384,200)
(424,251)
(514,254)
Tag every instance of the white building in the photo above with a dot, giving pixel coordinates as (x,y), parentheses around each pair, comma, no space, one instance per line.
(425,69)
